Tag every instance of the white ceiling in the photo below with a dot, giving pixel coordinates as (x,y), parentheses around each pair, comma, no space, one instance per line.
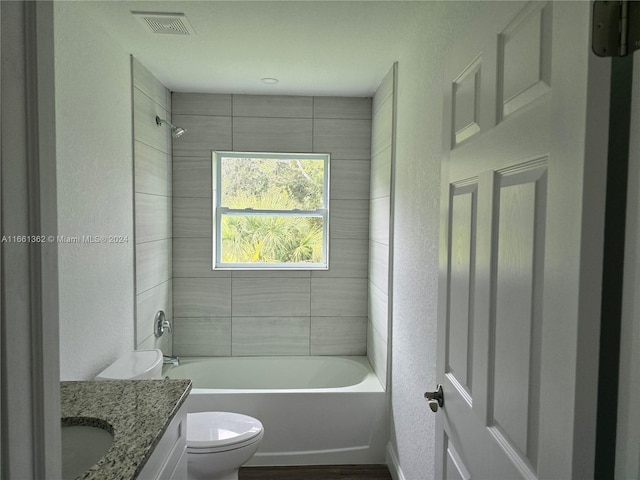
(313,48)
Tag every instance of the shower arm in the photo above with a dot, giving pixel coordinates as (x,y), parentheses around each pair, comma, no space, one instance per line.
(175,131)
(160,121)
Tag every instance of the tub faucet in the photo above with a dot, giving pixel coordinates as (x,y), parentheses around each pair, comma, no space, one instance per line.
(169,360)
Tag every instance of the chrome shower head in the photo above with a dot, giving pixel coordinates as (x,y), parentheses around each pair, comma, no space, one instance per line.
(175,131)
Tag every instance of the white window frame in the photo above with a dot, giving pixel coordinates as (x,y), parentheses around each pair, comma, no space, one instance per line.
(219,211)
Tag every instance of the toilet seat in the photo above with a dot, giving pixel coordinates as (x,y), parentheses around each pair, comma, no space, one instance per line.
(211,432)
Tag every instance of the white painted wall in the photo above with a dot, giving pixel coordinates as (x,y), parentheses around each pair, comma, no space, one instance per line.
(416,218)
(95,185)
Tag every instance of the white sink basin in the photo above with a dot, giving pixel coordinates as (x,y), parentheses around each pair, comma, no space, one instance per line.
(82,447)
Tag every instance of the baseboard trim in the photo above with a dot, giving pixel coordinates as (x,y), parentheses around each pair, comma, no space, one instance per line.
(394,464)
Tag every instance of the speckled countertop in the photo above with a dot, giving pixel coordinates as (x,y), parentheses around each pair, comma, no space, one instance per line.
(139,412)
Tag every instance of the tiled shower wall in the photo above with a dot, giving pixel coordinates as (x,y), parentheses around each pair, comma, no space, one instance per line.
(279,312)
(152,184)
(381,226)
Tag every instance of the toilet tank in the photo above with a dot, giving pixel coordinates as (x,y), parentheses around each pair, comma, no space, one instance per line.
(135,365)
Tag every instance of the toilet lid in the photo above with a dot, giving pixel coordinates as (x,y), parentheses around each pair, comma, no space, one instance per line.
(217,429)
(133,365)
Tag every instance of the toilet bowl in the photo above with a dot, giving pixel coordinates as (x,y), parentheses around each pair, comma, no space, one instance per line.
(218,443)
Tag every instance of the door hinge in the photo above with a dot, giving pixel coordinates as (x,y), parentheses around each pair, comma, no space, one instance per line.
(616,28)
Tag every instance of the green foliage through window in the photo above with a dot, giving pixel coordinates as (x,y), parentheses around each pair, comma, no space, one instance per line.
(271,210)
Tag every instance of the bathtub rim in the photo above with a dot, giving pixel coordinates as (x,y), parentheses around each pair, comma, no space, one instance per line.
(370,382)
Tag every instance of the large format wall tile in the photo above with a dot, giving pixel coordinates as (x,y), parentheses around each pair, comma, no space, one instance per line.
(204,134)
(342,107)
(270,297)
(347,259)
(164,343)
(201,297)
(146,130)
(381,125)
(385,90)
(270,336)
(192,177)
(153,264)
(344,139)
(272,106)
(381,174)
(377,353)
(153,217)
(192,217)
(202,336)
(152,170)
(378,265)
(378,310)
(209,104)
(349,179)
(334,297)
(253,134)
(150,85)
(338,335)
(152,206)
(270,310)
(380,216)
(380,224)
(148,304)
(193,257)
(349,219)
(271,274)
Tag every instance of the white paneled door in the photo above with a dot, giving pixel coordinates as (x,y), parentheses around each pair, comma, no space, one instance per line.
(521,245)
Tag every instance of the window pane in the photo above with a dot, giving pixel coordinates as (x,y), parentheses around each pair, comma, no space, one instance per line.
(272,184)
(271,239)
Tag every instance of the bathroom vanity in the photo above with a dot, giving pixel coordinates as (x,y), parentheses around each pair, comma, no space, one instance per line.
(146,418)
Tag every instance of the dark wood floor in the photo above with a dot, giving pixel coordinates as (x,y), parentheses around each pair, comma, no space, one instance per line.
(324,472)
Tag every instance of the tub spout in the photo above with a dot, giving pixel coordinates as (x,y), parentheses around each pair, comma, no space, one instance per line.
(169,360)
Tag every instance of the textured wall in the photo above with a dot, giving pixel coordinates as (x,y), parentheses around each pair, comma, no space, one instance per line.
(95,183)
(416,220)
(270,312)
(152,180)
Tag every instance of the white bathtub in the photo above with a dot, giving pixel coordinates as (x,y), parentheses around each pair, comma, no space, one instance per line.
(315,410)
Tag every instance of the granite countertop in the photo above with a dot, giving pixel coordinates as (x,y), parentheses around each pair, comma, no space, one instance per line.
(139,412)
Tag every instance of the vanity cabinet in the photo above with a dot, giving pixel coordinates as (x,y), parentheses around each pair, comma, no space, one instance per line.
(169,459)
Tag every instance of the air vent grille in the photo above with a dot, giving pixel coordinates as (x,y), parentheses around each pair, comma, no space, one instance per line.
(165,23)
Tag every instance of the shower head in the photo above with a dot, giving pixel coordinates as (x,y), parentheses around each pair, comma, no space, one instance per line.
(175,131)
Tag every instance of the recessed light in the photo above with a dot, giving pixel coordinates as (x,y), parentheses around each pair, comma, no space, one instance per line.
(269,80)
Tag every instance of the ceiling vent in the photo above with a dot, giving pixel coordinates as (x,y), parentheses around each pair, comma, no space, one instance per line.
(165,23)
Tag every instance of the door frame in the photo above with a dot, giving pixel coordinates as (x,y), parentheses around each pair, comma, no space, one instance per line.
(29,345)
(613,265)
(627,433)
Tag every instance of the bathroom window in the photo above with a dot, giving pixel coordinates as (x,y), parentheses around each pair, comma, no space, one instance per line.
(271,210)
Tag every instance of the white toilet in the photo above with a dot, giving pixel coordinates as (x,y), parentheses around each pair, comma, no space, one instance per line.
(218,443)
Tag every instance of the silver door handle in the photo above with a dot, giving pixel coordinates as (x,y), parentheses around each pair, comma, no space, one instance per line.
(435,399)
